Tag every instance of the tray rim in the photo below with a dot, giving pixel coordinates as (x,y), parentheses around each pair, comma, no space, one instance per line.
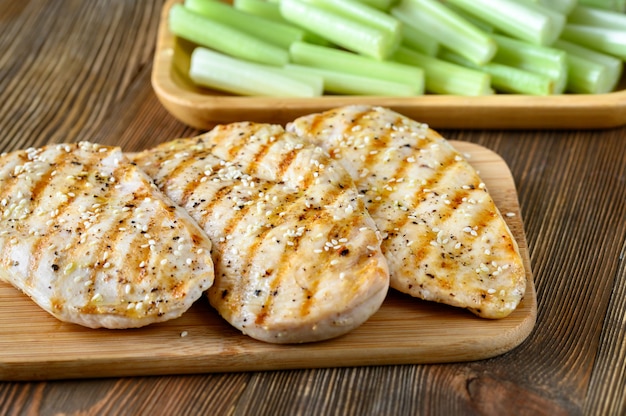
(504,111)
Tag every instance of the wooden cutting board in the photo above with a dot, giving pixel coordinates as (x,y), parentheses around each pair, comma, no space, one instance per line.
(36,346)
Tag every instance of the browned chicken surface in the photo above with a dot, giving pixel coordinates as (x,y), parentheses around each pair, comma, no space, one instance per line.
(297,256)
(91,240)
(443,236)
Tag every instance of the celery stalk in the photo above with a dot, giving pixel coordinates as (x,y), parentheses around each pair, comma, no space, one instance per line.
(413,37)
(590,72)
(615,5)
(225,73)
(361,12)
(448,28)
(343,61)
(442,77)
(588,16)
(534,58)
(609,41)
(259,8)
(265,29)
(562,6)
(348,33)
(349,84)
(417,40)
(507,78)
(271,11)
(206,32)
(379,4)
(517,18)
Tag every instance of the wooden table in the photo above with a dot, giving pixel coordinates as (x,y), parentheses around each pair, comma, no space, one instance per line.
(80,70)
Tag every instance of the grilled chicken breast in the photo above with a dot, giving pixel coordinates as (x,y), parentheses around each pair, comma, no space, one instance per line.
(297,257)
(444,238)
(90,239)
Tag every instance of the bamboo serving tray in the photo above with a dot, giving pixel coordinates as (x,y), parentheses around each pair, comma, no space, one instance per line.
(203,108)
(36,346)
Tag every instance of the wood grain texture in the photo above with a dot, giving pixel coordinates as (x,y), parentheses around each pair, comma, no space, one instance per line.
(572,193)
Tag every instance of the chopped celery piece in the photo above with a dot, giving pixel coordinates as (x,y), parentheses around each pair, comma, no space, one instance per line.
(206,32)
(265,29)
(448,28)
(588,16)
(561,6)
(609,41)
(417,40)
(590,72)
(225,73)
(379,4)
(507,78)
(442,77)
(343,61)
(271,11)
(361,12)
(517,18)
(615,5)
(348,33)
(479,23)
(535,58)
(337,82)
(259,8)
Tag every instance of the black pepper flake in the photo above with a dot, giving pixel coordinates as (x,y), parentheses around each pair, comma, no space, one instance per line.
(55,267)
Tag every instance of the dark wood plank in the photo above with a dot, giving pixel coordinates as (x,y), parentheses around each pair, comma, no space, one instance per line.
(80,70)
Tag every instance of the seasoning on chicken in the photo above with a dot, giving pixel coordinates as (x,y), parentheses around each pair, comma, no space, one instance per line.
(91,240)
(444,238)
(297,256)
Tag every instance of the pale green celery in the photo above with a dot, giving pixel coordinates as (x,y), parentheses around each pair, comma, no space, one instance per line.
(590,72)
(589,16)
(561,6)
(270,10)
(214,70)
(417,40)
(609,41)
(413,37)
(442,77)
(506,78)
(362,13)
(615,5)
(336,82)
(223,38)
(261,8)
(348,33)
(265,29)
(343,61)
(479,23)
(379,4)
(448,28)
(534,58)
(517,18)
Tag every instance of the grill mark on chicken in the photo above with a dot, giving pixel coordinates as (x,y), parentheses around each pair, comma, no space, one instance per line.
(311,218)
(446,210)
(82,204)
(274,270)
